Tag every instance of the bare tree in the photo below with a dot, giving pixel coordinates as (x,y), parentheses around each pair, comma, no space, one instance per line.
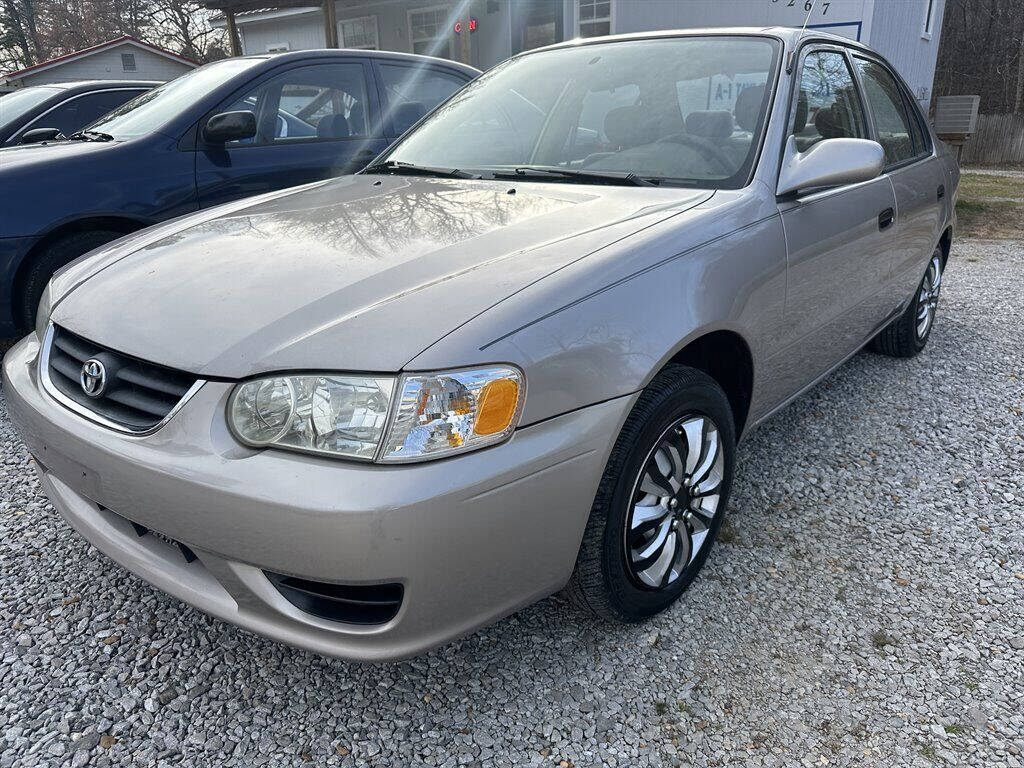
(982,52)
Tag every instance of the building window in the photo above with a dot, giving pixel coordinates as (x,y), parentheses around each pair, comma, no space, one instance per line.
(359,33)
(277,47)
(128,62)
(593,18)
(429,31)
(929,12)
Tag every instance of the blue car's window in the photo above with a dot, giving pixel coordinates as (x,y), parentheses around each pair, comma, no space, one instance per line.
(154,109)
(683,110)
(322,101)
(14,105)
(412,91)
(77,112)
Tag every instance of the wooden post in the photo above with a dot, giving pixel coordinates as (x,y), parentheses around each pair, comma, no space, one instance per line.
(330,24)
(466,55)
(233,39)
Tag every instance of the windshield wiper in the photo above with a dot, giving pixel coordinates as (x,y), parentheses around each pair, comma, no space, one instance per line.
(606,177)
(90,136)
(400,168)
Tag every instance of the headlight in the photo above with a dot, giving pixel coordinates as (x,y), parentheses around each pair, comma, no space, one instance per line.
(43,312)
(437,414)
(342,415)
(441,414)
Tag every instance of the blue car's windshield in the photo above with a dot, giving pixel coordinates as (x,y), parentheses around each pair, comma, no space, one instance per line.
(688,110)
(153,109)
(14,105)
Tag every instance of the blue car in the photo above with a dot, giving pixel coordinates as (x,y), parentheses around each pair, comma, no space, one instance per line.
(228,130)
(28,114)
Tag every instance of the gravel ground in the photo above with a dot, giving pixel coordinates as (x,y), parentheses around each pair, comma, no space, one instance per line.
(863,608)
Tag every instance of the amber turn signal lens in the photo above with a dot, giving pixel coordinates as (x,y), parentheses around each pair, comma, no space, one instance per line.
(498,403)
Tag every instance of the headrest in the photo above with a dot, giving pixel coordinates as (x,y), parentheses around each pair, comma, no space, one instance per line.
(711,124)
(332,127)
(357,120)
(620,125)
(406,114)
(748,107)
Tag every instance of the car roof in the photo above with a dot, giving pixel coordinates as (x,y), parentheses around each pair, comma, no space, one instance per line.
(347,53)
(97,85)
(792,36)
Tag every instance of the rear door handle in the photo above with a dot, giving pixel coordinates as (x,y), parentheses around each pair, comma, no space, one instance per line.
(885,218)
(941,191)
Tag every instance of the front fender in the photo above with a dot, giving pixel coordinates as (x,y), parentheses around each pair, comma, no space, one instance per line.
(606,326)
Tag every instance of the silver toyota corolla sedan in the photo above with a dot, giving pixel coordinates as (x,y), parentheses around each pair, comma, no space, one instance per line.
(514,355)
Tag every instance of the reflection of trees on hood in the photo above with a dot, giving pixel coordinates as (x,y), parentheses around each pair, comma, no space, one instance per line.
(427,215)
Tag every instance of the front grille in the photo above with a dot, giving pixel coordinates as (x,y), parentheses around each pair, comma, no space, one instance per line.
(362,604)
(138,395)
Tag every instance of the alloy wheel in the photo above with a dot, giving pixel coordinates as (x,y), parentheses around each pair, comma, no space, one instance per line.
(675,498)
(928,297)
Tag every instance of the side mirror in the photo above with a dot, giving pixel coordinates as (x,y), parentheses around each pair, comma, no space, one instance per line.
(37,135)
(828,163)
(230,126)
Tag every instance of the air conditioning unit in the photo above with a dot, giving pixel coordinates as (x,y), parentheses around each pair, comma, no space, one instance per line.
(956,115)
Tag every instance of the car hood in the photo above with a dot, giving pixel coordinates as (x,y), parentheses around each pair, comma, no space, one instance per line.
(358,274)
(25,155)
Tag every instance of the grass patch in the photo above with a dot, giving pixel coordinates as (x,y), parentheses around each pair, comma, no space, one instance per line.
(980,185)
(953,730)
(995,220)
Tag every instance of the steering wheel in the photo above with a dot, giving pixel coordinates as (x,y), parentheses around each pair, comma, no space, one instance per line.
(699,142)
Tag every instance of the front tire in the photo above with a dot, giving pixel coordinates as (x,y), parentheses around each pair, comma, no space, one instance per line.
(661,500)
(56,255)
(908,334)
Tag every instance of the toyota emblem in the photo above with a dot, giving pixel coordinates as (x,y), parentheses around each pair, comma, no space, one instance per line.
(93,378)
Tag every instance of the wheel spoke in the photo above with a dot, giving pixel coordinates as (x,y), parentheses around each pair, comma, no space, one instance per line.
(643,515)
(694,431)
(655,481)
(713,480)
(656,573)
(710,457)
(696,542)
(656,544)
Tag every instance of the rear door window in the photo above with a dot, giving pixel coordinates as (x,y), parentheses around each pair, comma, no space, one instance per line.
(412,92)
(893,126)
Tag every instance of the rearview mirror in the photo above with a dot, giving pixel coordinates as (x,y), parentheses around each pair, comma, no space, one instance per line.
(230,126)
(37,135)
(828,163)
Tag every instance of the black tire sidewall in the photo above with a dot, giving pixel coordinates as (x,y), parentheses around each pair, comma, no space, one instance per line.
(699,397)
(58,254)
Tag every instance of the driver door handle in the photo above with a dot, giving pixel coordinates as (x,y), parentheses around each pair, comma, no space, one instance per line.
(885,218)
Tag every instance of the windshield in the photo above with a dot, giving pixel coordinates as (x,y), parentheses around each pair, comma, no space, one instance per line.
(14,105)
(153,109)
(686,110)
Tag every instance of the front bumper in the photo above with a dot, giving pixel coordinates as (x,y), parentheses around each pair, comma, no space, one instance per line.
(471,538)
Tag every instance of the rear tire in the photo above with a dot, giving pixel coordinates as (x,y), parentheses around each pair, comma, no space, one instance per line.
(44,264)
(680,434)
(908,334)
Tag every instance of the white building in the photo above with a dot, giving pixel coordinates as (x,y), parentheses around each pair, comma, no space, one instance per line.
(904,31)
(124,58)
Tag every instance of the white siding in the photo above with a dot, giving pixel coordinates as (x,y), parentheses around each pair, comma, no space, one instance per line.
(898,35)
(106,65)
(490,44)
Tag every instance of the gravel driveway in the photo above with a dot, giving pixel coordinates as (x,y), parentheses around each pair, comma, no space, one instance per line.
(865,607)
